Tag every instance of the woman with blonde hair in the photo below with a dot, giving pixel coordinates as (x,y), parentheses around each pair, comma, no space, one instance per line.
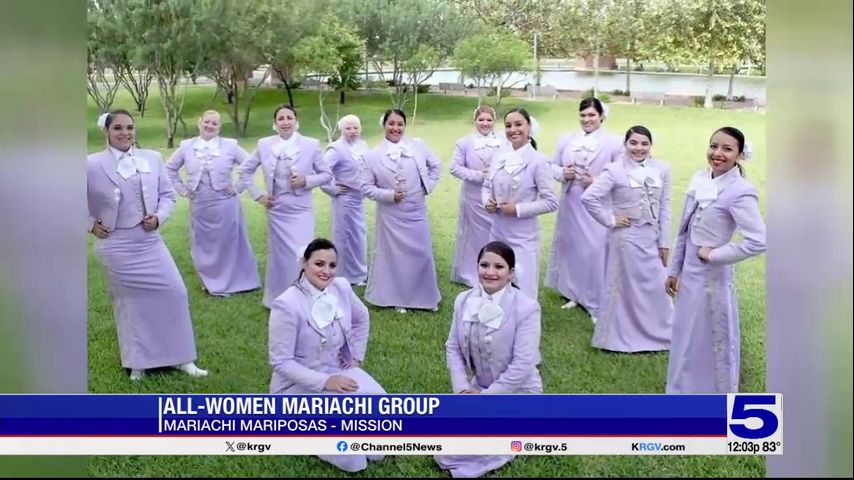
(219,241)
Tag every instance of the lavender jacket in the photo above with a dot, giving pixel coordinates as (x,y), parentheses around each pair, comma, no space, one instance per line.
(102,180)
(514,349)
(641,204)
(737,206)
(230,155)
(310,164)
(297,347)
(379,170)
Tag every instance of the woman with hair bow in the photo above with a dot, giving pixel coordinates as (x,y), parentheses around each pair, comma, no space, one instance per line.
(219,241)
(516,191)
(345,157)
(577,264)
(398,174)
(292,165)
(130,198)
(470,163)
(631,198)
(705,351)
(493,346)
(318,336)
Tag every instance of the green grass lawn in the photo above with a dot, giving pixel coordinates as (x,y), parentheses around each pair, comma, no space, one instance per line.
(406,352)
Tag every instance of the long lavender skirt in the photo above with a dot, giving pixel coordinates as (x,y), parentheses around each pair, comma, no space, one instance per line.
(149,300)
(367,386)
(705,352)
(402,272)
(577,264)
(523,236)
(636,313)
(471,466)
(290,228)
(473,226)
(350,235)
(219,243)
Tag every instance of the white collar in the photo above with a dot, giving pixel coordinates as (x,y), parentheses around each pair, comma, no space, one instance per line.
(310,290)
(476,306)
(402,144)
(497,297)
(118,153)
(289,142)
(211,144)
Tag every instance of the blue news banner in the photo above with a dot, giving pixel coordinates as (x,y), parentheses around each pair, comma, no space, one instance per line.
(734,424)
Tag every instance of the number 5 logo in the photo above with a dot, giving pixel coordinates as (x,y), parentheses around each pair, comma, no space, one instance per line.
(745,408)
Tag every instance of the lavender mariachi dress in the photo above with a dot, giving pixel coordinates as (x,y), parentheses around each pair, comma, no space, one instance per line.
(521,176)
(219,241)
(290,220)
(402,272)
(577,263)
(315,334)
(636,313)
(705,351)
(149,297)
(470,163)
(349,221)
(494,347)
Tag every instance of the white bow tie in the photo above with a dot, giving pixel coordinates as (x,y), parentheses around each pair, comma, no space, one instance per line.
(358,150)
(129,166)
(210,147)
(641,174)
(484,310)
(705,190)
(483,142)
(324,309)
(396,151)
(512,162)
(286,150)
(587,143)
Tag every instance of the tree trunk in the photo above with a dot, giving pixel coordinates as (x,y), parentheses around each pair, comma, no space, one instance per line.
(415,109)
(596,71)
(731,81)
(707,103)
(341,97)
(628,76)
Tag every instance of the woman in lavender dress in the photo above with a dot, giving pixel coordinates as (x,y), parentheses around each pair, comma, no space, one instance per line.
(577,263)
(631,198)
(398,174)
(318,337)
(129,199)
(516,191)
(705,351)
(470,163)
(219,242)
(292,165)
(493,346)
(349,222)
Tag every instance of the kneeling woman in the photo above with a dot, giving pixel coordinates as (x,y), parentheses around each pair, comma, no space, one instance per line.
(318,336)
(493,346)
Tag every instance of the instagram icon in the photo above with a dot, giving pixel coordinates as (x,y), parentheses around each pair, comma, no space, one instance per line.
(516,446)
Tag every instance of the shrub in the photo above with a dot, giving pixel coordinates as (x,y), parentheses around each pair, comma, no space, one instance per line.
(699,101)
(603,96)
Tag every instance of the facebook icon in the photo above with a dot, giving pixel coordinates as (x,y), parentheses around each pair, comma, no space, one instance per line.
(342,446)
